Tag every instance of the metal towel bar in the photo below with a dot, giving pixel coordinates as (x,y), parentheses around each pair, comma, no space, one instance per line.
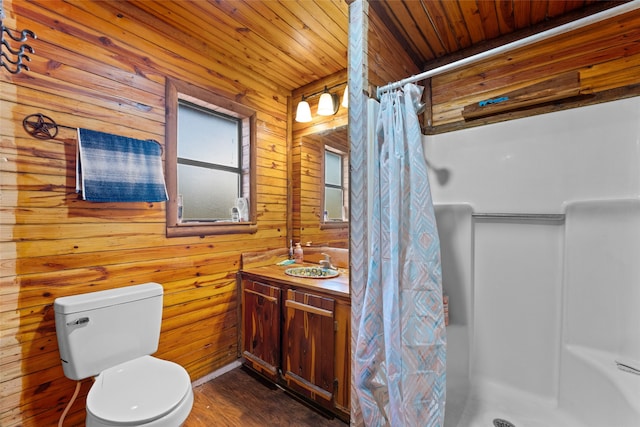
(521,216)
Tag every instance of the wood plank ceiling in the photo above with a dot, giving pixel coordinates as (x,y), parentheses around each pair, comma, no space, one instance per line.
(294,43)
(290,43)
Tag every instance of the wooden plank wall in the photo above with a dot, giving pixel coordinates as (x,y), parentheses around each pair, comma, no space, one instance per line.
(91,71)
(307,162)
(388,61)
(606,55)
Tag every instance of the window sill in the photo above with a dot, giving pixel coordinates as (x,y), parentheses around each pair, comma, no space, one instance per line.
(200,229)
(334,225)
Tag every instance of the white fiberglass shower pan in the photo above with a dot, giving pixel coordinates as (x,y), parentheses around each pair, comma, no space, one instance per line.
(539,223)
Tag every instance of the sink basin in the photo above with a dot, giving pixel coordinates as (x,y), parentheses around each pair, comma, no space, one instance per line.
(312,272)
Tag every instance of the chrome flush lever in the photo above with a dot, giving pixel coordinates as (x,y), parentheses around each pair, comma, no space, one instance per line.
(80,321)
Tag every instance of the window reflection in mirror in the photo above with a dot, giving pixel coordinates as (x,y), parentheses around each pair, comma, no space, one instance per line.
(335,184)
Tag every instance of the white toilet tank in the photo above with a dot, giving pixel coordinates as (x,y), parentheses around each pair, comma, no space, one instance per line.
(101,329)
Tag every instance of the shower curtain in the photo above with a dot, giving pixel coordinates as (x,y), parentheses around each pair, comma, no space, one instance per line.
(401,343)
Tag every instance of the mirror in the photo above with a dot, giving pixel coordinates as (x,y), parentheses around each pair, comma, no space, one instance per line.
(320,183)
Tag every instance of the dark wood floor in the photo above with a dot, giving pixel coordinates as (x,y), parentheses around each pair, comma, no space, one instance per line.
(238,399)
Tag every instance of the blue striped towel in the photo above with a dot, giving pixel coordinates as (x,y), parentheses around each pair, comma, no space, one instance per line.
(112,168)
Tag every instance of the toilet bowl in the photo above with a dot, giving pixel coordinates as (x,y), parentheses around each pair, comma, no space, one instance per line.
(146,391)
(110,335)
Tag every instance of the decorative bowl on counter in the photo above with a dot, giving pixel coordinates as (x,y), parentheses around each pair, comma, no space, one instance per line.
(312,272)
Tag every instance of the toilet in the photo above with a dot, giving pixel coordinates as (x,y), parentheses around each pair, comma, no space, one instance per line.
(110,335)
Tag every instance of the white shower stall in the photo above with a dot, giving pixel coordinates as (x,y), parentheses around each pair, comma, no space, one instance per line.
(539,223)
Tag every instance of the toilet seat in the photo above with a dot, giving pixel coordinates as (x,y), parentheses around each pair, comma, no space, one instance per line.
(138,391)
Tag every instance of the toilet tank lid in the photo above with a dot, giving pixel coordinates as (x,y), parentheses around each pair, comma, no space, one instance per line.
(109,297)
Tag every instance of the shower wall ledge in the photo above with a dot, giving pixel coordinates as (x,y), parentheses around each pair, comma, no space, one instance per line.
(627,384)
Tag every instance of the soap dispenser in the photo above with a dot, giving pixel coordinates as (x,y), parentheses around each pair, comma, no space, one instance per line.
(298,255)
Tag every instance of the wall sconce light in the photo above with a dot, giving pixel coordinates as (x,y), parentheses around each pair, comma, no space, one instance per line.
(303,112)
(345,97)
(328,104)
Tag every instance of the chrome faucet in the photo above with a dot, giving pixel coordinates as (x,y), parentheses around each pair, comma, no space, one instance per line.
(326,262)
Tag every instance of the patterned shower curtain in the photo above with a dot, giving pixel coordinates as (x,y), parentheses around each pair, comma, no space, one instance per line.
(401,343)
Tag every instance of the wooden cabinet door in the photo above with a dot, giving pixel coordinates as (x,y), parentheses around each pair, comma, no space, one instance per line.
(261,327)
(309,345)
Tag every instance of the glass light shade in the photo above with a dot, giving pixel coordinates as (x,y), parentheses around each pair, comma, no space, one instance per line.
(303,112)
(325,105)
(345,97)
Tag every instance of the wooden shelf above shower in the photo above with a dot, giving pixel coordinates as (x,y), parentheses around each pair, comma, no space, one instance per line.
(564,86)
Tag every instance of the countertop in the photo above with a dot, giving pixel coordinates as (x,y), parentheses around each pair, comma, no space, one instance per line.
(337,286)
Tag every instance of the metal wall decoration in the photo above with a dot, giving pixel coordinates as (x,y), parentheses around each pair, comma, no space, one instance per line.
(10,57)
(44,127)
(41,126)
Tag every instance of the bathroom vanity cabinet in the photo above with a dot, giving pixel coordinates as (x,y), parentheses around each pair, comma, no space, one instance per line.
(308,345)
(296,333)
(261,324)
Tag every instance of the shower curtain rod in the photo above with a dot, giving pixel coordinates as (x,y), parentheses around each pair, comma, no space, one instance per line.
(570,26)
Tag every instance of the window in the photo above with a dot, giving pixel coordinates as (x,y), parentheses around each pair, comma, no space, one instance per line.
(209,163)
(335,187)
